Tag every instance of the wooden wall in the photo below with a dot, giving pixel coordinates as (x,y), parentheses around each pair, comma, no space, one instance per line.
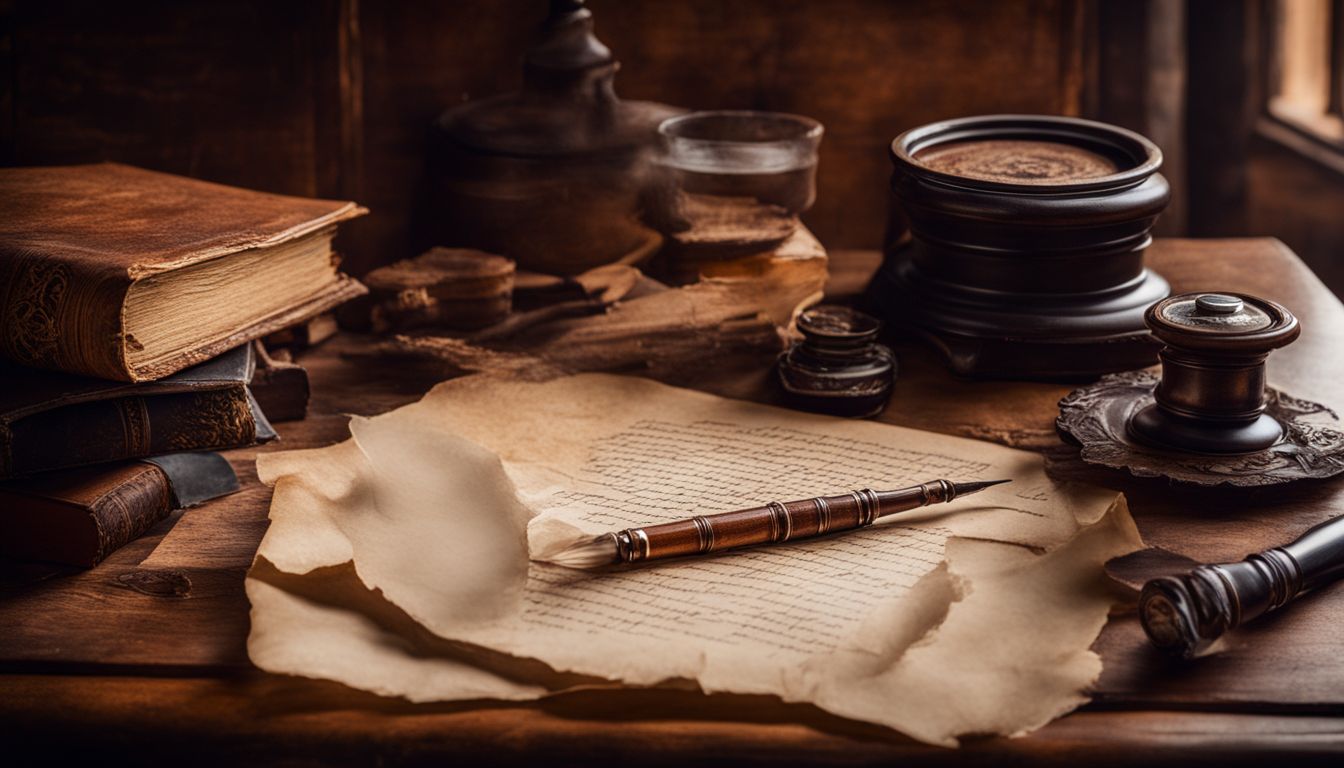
(220,90)
(1299,201)
(333,97)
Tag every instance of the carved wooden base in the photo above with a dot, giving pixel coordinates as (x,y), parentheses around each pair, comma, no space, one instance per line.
(1097,417)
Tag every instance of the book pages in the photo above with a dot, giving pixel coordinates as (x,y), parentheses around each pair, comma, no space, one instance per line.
(398,561)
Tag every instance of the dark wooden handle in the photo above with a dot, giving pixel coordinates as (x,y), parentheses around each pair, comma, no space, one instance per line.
(770,524)
(1185,614)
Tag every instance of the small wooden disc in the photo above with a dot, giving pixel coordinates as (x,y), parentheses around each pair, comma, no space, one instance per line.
(731,223)
(447,273)
(450,287)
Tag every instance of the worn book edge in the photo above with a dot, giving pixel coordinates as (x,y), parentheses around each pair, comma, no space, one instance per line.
(226,415)
(346,212)
(119,515)
(341,290)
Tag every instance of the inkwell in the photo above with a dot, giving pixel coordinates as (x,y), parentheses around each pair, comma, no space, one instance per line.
(1211,398)
(839,367)
(1210,418)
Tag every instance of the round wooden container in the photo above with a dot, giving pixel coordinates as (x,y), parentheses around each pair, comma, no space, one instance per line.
(456,288)
(1026,240)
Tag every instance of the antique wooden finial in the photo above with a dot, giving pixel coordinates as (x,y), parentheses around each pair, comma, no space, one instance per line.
(567,41)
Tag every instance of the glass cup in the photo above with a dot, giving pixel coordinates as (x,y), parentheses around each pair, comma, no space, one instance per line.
(769,157)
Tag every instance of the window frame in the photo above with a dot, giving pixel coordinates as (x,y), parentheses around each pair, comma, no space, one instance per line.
(1318,137)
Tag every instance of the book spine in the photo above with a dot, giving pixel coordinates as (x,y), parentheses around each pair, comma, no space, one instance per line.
(52,529)
(128,511)
(54,316)
(128,428)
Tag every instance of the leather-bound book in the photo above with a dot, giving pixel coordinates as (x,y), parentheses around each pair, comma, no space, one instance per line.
(79,516)
(53,420)
(121,273)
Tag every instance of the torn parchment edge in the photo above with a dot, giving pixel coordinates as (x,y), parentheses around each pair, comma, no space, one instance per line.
(944,580)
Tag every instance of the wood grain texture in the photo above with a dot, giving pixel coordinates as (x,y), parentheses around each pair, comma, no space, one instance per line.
(866,69)
(1136,66)
(1269,693)
(260,719)
(334,97)
(1224,72)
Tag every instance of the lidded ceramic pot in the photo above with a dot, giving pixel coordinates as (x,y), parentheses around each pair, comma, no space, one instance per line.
(550,176)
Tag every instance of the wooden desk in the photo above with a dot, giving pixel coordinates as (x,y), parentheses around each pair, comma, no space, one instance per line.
(107,663)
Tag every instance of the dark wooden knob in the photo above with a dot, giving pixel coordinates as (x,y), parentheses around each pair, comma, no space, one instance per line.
(1211,398)
(567,42)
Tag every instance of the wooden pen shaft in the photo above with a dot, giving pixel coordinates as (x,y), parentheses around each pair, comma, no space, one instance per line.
(772,523)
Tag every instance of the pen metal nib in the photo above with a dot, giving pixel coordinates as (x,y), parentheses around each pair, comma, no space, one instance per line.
(964,489)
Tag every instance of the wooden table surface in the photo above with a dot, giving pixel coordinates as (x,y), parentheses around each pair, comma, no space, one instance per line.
(116,663)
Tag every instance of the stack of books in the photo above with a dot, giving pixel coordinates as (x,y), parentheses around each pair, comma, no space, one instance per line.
(129,302)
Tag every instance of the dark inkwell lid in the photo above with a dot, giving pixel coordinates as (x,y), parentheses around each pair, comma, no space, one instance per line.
(1222,323)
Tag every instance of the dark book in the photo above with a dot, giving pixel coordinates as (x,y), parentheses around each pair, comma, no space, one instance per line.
(279,386)
(52,420)
(80,516)
(126,274)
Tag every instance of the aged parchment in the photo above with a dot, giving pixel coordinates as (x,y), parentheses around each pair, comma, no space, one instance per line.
(395,561)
